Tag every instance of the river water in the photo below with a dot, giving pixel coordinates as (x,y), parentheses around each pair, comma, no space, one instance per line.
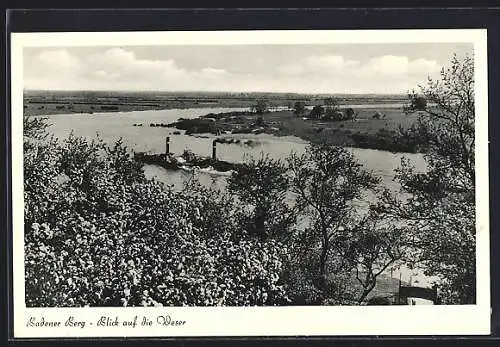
(112,126)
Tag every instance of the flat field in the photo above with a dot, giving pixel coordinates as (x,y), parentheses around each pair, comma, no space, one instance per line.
(62,102)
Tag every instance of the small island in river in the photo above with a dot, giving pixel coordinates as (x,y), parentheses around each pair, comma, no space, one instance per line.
(387,129)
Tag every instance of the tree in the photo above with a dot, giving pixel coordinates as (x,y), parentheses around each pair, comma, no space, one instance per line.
(349,113)
(299,107)
(317,112)
(332,110)
(440,209)
(374,245)
(262,184)
(35,127)
(326,180)
(330,102)
(260,121)
(99,233)
(334,115)
(261,106)
(419,103)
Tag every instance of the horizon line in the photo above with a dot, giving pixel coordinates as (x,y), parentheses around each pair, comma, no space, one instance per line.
(212,92)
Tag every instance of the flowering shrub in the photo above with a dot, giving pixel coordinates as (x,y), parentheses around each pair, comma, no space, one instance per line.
(98,233)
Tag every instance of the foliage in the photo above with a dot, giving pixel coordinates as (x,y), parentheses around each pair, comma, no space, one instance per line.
(261,106)
(317,112)
(419,102)
(195,126)
(330,102)
(441,203)
(401,140)
(378,301)
(330,112)
(349,113)
(333,114)
(299,107)
(262,185)
(259,122)
(98,233)
(326,180)
(374,245)
(35,127)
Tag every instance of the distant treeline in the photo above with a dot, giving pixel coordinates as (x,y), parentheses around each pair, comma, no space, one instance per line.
(68,104)
(386,140)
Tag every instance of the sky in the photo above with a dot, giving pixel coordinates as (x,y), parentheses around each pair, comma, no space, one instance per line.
(321,68)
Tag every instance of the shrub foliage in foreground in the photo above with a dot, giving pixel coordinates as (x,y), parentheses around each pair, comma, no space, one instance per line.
(97,232)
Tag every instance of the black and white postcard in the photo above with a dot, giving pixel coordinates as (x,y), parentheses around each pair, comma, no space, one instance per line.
(250,183)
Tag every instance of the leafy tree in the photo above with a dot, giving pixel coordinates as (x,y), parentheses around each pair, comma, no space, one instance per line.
(261,106)
(262,185)
(299,107)
(332,114)
(440,209)
(98,233)
(374,245)
(317,112)
(35,127)
(349,113)
(210,202)
(326,180)
(330,102)
(260,121)
(333,110)
(419,103)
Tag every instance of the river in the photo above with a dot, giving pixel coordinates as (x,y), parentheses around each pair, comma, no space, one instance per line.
(111,126)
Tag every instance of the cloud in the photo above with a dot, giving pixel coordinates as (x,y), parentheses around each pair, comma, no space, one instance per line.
(125,65)
(291,70)
(121,69)
(210,72)
(419,65)
(329,63)
(390,65)
(58,59)
(387,65)
(380,74)
(115,68)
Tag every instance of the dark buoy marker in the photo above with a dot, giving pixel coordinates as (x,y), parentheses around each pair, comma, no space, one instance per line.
(167,145)
(214,150)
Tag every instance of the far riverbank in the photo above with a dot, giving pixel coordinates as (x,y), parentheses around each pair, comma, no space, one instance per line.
(381,129)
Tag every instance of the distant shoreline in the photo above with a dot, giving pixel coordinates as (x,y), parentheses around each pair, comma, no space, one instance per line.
(366,132)
(48,102)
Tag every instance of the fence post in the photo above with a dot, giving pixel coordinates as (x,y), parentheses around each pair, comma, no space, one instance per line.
(214,150)
(399,290)
(167,145)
